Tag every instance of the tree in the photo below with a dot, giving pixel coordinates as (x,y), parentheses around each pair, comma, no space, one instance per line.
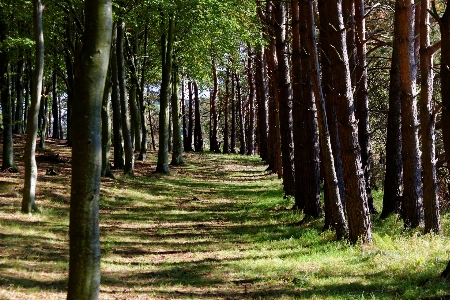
(91,66)
(29,190)
(167,39)
(198,132)
(412,194)
(427,120)
(355,190)
(177,151)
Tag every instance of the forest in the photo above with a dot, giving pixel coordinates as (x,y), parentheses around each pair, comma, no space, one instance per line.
(225,149)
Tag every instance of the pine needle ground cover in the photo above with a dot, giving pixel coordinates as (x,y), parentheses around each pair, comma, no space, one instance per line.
(216,228)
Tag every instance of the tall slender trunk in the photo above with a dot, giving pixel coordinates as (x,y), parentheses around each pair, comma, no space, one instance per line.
(262,97)
(30,179)
(331,180)
(144,139)
(183,113)
(55,131)
(354,185)
(18,127)
(226,130)
(393,178)
(233,113)
(214,141)
(177,151)
(167,47)
(70,78)
(444,24)
(190,132)
(285,98)
(119,162)
(198,132)
(427,124)
(128,168)
(251,103)
(362,98)
(106,128)
(91,66)
(412,177)
(241,116)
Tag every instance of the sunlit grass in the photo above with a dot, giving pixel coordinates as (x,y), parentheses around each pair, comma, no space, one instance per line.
(215,228)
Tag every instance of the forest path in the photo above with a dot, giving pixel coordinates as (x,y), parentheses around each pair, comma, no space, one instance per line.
(215,228)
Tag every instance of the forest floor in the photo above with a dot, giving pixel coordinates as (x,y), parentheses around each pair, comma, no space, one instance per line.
(216,228)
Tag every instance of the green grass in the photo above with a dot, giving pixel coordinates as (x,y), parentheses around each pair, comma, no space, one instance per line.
(215,228)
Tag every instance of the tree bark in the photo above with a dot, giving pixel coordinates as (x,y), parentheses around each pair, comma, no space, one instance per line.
(285,99)
(55,131)
(177,151)
(240,112)
(362,98)
(163,150)
(412,195)
(90,71)
(144,139)
(19,117)
(119,162)
(331,181)
(30,179)
(226,130)
(262,97)
(214,141)
(106,129)
(393,179)
(128,168)
(190,132)
(233,114)
(444,25)
(251,103)
(427,124)
(355,190)
(198,132)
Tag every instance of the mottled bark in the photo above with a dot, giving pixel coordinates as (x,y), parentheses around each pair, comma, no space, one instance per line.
(30,179)
(91,64)
(444,24)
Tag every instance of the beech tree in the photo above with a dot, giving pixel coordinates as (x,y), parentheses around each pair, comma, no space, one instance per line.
(91,66)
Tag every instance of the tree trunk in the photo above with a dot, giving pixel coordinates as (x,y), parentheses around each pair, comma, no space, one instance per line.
(233,114)
(177,152)
(190,132)
(163,150)
(18,127)
(226,130)
(393,178)
(427,124)
(30,179)
(183,113)
(241,116)
(355,190)
(198,132)
(128,168)
(135,118)
(444,25)
(306,138)
(55,131)
(285,99)
(262,97)
(144,139)
(90,72)
(362,98)
(214,141)
(70,79)
(119,162)
(106,129)
(331,181)
(251,104)
(330,103)
(412,195)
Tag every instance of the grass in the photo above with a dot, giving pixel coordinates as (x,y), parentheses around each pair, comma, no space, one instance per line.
(215,228)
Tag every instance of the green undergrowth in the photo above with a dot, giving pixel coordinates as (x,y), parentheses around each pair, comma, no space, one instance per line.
(217,227)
